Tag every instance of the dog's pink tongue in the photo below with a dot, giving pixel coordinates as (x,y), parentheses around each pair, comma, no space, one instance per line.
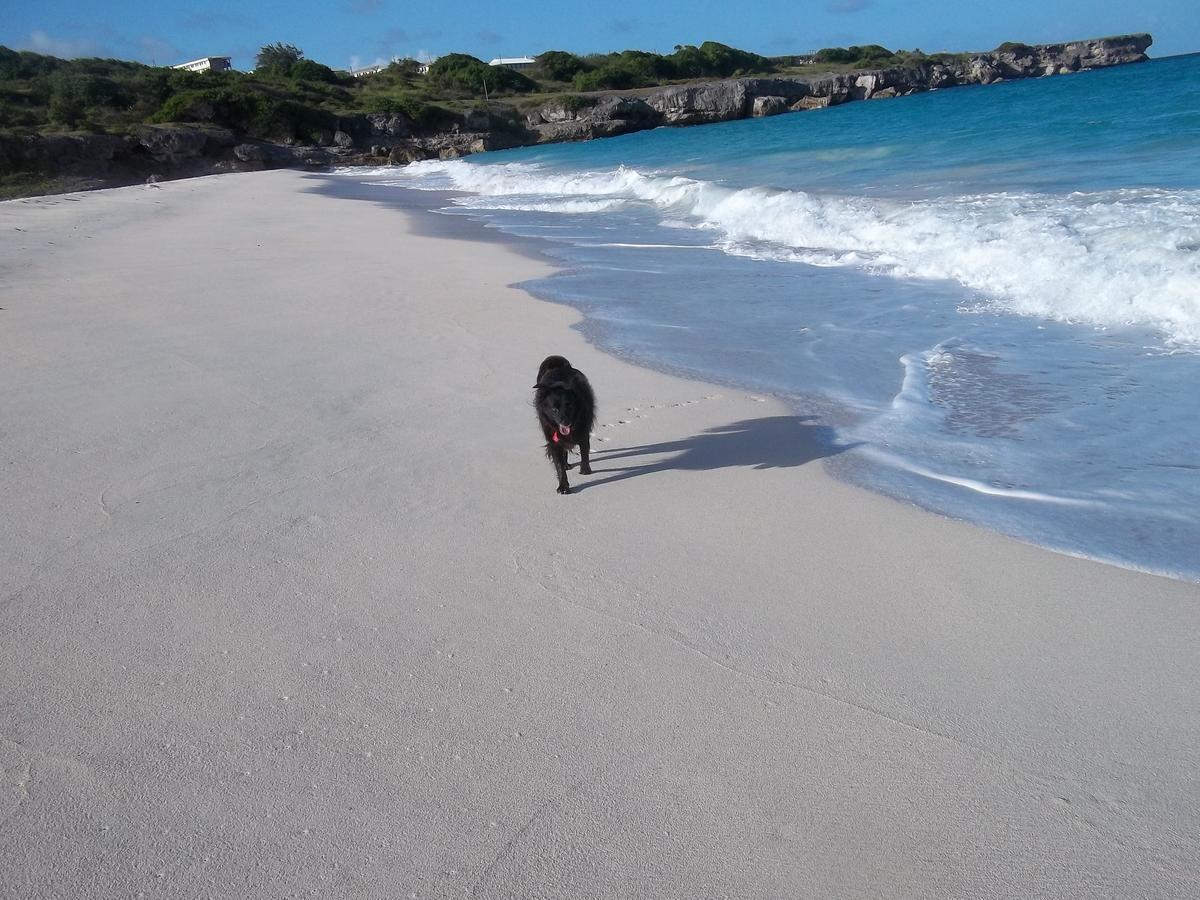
(564,430)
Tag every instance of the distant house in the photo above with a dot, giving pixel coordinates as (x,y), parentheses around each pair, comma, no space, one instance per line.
(206,64)
(422,69)
(514,62)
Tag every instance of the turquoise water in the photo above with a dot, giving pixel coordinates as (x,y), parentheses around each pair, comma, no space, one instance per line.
(992,293)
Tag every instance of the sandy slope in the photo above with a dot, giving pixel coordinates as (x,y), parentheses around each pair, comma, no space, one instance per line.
(289,607)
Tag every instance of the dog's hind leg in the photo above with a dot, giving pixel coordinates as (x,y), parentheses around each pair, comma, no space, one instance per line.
(585,465)
(558,456)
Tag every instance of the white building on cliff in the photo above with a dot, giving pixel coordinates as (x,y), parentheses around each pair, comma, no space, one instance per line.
(514,62)
(207,64)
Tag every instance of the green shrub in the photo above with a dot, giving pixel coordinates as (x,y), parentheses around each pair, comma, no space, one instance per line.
(722,61)
(859,56)
(251,112)
(404,68)
(416,110)
(307,70)
(637,68)
(283,120)
(17,116)
(575,103)
(608,78)
(558,65)
(73,93)
(239,109)
(466,73)
(1016,48)
(23,64)
(627,69)
(278,57)
(91,90)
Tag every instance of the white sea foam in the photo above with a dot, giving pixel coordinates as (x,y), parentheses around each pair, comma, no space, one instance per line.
(1104,259)
(973,484)
(568,206)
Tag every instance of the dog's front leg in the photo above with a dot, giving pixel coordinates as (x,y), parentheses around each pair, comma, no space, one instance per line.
(558,454)
(585,465)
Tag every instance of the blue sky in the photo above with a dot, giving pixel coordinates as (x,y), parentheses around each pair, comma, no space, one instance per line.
(345,33)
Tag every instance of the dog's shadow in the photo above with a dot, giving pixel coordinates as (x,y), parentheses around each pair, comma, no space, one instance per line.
(770,443)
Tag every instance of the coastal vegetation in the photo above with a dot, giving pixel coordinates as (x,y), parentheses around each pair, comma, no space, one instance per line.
(289,96)
(291,99)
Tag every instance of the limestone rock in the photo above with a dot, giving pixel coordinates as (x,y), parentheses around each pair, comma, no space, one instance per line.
(564,110)
(866,85)
(402,155)
(583,130)
(769,106)
(384,125)
(627,109)
(604,118)
(810,103)
(940,76)
(837,88)
(689,104)
(982,70)
(720,101)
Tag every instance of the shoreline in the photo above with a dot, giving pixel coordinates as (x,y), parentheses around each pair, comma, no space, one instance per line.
(291,603)
(852,472)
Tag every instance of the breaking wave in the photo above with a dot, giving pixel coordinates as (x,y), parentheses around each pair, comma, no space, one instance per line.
(1128,257)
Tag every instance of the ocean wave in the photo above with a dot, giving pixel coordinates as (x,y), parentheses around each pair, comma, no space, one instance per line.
(568,206)
(1104,259)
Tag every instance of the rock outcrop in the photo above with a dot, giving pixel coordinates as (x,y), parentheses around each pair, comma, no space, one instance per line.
(769,106)
(722,101)
(174,143)
(589,118)
(265,155)
(68,153)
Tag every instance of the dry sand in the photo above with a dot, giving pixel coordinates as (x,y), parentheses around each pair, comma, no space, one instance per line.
(289,607)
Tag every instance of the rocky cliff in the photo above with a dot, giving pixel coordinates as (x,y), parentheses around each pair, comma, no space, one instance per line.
(166,151)
(721,101)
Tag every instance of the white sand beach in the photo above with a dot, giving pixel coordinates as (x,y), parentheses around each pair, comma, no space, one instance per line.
(289,606)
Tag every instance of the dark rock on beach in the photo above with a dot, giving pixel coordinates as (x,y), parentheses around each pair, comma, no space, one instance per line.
(175,143)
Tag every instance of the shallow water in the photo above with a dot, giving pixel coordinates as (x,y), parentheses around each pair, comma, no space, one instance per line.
(992,293)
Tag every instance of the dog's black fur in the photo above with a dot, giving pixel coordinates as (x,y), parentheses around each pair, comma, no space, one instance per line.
(566,409)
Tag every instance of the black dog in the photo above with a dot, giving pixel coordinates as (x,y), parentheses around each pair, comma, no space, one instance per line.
(566,408)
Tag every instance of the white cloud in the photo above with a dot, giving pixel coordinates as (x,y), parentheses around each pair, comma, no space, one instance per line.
(40,42)
(357,62)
